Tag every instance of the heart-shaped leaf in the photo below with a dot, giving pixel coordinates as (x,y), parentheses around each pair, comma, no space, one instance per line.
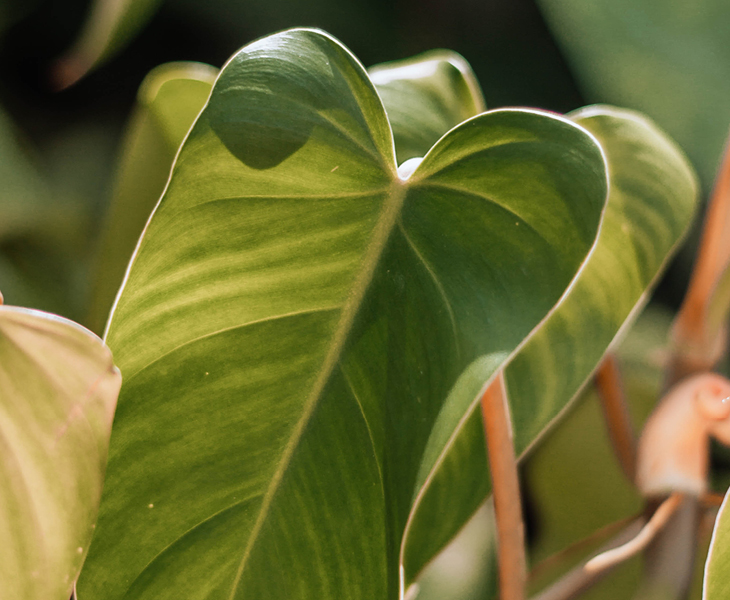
(168,101)
(297,314)
(652,198)
(58,390)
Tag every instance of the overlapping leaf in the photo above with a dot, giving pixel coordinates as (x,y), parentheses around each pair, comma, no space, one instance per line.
(297,314)
(58,390)
(651,202)
(424,97)
(169,99)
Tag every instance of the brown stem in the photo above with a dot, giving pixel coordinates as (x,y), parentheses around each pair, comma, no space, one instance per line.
(506,490)
(577,549)
(578,580)
(695,348)
(658,521)
(615,410)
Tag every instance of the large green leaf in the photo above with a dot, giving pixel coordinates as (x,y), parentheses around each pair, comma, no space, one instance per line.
(110,25)
(58,389)
(424,97)
(169,99)
(668,59)
(297,314)
(652,198)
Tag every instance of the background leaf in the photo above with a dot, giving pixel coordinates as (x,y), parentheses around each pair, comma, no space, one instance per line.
(651,201)
(297,315)
(424,97)
(110,25)
(58,390)
(168,101)
(668,59)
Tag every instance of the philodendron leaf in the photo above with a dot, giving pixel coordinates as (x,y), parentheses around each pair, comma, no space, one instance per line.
(58,390)
(652,197)
(424,97)
(169,99)
(296,315)
(109,26)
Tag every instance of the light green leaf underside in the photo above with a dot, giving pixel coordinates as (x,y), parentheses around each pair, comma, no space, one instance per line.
(670,60)
(424,97)
(296,316)
(651,202)
(110,25)
(169,99)
(717,584)
(58,390)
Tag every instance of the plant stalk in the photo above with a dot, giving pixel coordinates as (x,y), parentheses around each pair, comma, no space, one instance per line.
(695,346)
(512,562)
(615,410)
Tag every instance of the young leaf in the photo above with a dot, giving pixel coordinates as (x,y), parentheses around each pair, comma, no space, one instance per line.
(424,97)
(651,201)
(296,315)
(58,389)
(169,99)
(110,25)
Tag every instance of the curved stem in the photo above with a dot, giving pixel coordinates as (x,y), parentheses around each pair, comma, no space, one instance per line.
(506,489)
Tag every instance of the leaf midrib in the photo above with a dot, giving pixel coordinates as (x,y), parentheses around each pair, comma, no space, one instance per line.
(381,233)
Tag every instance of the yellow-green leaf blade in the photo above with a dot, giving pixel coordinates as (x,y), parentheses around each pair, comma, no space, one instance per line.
(58,390)
(169,99)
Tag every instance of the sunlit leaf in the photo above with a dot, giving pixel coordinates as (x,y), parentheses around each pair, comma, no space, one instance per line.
(652,198)
(58,389)
(297,316)
(169,99)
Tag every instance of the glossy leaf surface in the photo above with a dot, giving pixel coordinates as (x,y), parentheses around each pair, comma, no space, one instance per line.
(424,97)
(58,390)
(667,59)
(652,198)
(109,26)
(297,317)
(169,99)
